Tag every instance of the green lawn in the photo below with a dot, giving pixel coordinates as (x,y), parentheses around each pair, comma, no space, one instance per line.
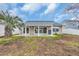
(42,45)
(8,40)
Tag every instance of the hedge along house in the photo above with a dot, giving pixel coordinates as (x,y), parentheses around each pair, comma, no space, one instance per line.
(41,28)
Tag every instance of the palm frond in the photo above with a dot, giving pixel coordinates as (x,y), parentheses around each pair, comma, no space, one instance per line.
(11,21)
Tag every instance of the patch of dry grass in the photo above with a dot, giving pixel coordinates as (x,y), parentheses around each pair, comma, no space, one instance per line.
(33,46)
(72,43)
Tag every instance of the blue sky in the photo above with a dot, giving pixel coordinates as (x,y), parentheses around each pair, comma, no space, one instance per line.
(37,11)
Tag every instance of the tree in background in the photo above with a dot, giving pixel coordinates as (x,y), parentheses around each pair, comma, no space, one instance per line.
(73,9)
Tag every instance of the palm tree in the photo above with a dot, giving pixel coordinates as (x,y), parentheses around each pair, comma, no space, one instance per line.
(11,22)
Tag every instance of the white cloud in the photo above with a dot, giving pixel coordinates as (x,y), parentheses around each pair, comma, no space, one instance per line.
(51,7)
(62,15)
(59,17)
(12,12)
(73,18)
(32,7)
(35,7)
(16,12)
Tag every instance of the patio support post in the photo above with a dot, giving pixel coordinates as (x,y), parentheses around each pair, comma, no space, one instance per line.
(22,31)
(51,30)
(38,30)
(47,30)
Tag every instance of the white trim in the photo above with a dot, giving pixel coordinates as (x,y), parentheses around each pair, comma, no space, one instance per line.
(57,28)
(47,31)
(51,30)
(38,30)
(34,30)
(22,31)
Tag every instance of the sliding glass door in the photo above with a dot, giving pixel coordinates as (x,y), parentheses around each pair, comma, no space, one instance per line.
(41,29)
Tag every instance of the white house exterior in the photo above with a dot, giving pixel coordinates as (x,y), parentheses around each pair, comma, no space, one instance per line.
(45,28)
(2,26)
(2,30)
(41,28)
(70,27)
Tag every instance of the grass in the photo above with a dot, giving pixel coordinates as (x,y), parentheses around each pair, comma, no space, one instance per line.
(72,43)
(5,41)
(42,45)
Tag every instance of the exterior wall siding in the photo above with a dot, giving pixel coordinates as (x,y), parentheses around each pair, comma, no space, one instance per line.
(70,27)
(70,31)
(16,31)
(2,30)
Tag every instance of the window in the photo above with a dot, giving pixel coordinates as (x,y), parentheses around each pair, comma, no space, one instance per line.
(24,30)
(27,30)
(43,30)
(55,30)
(36,29)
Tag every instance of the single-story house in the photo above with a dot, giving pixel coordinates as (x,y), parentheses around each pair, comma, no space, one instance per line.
(40,28)
(45,28)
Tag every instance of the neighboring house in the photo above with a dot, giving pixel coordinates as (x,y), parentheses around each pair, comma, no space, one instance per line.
(70,27)
(2,26)
(2,30)
(41,28)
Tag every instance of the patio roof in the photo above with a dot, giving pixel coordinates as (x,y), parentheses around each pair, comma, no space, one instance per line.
(41,23)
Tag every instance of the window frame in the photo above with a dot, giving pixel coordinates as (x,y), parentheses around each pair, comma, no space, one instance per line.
(56,29)
(42,30)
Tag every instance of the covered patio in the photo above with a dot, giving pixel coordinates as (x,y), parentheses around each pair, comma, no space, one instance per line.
(39,28)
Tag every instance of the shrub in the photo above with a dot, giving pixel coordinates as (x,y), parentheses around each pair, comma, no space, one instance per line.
(57,36)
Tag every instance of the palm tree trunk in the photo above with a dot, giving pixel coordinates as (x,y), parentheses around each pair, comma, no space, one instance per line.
(8,32)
